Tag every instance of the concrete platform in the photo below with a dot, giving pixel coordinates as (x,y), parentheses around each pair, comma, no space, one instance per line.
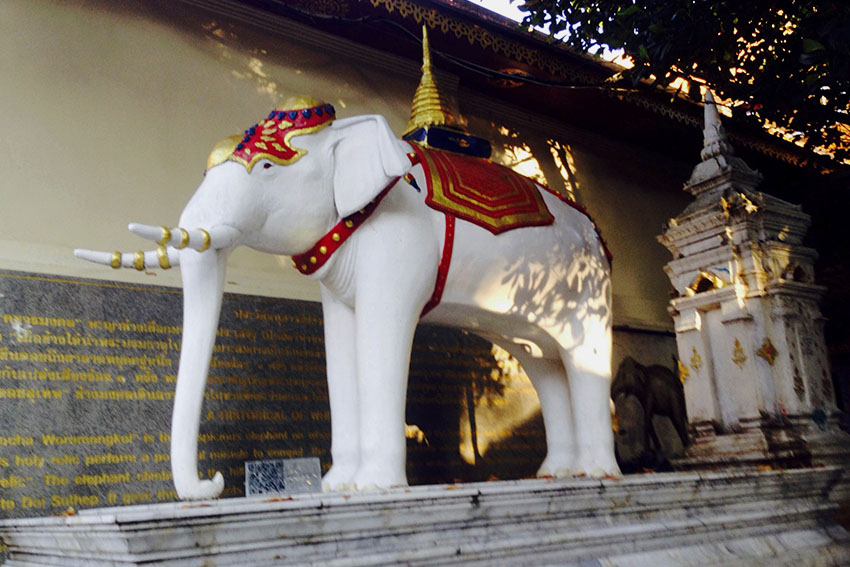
(676,519)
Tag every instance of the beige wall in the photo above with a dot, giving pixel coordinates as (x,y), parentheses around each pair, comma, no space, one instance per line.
(108,111)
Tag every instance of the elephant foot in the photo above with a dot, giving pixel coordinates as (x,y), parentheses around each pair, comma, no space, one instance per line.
(599,466)
(201,490)
(338,487)
(372,478)
(606,473)
(557,466)
(339,478)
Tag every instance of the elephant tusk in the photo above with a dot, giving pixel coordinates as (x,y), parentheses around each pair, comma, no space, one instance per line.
(169,240)
(162,257)
(195,238)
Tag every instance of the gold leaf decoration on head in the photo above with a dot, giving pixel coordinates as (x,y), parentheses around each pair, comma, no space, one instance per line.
(222,151)
(299,102)
(296,116)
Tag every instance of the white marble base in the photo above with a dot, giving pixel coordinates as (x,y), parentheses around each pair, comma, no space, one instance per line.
(676,519)
(799,443)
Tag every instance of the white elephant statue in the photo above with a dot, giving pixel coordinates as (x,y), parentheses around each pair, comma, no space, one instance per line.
(342,196)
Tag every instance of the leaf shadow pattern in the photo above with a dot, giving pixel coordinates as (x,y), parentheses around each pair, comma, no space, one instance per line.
(562,286)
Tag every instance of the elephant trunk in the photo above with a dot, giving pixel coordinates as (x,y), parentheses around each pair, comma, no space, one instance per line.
(203,285)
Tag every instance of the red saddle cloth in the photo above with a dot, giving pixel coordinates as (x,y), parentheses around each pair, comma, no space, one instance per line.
(479,191)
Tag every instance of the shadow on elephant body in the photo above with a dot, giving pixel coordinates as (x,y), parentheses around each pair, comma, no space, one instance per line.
(536,281)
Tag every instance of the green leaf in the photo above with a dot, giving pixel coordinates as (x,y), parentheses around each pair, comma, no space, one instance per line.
(628,11)
(811,45)
(644,54)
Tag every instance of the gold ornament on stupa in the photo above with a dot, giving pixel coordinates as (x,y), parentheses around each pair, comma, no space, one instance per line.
(429,108)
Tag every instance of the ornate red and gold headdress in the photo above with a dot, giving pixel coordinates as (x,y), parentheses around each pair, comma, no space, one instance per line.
(270,138)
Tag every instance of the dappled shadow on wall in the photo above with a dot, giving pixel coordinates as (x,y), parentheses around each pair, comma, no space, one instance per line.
(501,425)
(251,57)
(547,161)
(245,63)
(472,413)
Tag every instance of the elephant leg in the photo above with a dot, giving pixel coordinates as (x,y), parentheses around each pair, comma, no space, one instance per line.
(383,361)
(653,443)
(342,392)
(385,324)
(588,366)
(677,415)
(550,382)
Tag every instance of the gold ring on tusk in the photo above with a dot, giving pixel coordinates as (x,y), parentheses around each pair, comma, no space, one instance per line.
(116,260)
(166,236)
(162,254)
(207,240)
(139,261)
(184,239)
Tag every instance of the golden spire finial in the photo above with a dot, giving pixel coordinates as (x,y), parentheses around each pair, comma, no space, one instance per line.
(429,107)
(426,52)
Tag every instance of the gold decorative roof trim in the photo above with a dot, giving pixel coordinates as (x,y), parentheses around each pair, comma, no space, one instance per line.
(478,35)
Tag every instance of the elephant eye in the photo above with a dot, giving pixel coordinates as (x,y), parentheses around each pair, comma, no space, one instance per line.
(266,165)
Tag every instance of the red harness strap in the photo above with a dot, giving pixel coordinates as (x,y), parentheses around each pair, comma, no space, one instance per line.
(316,257)
(443,270)
(310,261)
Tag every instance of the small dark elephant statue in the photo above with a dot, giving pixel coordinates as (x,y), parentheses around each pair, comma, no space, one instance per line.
(659,392)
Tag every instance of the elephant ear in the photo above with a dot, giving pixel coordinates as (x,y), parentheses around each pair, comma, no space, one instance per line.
(367,156)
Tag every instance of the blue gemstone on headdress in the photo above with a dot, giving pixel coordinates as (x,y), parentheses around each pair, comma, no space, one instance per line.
(281,115)
(246,139)
(318,110)
(271,114)
(293,114)
(306,113)
(239,146)
(252,130)
(331,109)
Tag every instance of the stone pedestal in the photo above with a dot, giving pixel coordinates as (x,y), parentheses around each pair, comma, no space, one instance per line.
(677,519)
(748,327)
